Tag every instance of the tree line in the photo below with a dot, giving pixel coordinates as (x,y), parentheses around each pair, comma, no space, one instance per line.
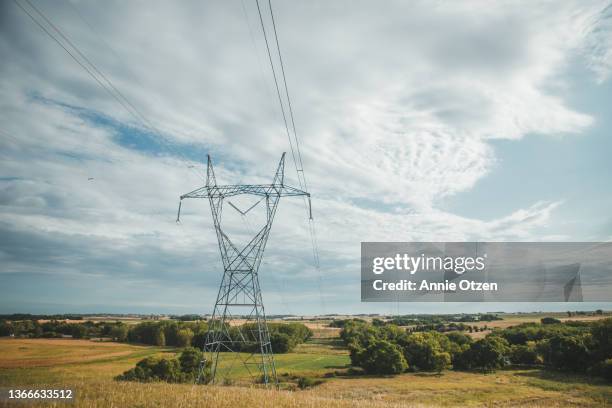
(283,336)
(59,328)
(571,346)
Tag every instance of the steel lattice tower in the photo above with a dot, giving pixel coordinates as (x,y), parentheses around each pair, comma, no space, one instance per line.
(239,289)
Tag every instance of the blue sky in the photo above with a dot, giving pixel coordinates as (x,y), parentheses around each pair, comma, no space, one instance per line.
(417,121)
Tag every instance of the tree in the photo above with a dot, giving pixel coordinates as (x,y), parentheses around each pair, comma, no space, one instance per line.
(183,337)
(159,338)
(199,340)
(524,354)
(601,333)
(486,354)
(459,338)
(566,353)
(382,357)
(119,332)
(442,360)
(420,348)
(78,331)
(604,369)
(281,343)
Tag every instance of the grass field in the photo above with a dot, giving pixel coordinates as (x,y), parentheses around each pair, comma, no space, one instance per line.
(89,368)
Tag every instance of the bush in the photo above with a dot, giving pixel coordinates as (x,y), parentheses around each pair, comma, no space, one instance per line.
(199,340)
(603,369)
(381,357)
(601,333)
(421,348)
(190,360)
(78,331)
(119,332)
(524,354)
(442,360)
(6,329)
(566,353)
(486,354)
(307,382)
(281,343)
(183,337)
(184,369)
(550,320)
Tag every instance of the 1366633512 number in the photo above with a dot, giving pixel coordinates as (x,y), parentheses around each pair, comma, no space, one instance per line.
(50,394)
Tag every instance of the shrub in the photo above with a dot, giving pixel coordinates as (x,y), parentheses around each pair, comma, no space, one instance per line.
(486,354)
(281,343)
(601,333)
(420,349)
(183,337)
(382,357)
(307,382)
(566,353)
(603,369)
(524,354)
(78,331)
(190,360)
(119,332)
(442,360)
(183,369)
(550,320)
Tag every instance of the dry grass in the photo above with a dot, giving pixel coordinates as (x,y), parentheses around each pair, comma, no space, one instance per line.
(89,368)
(504,388)
(527,388)
(114,394)
(516,319)
(22,353)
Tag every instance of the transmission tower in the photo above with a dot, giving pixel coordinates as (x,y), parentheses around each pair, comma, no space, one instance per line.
(239,294)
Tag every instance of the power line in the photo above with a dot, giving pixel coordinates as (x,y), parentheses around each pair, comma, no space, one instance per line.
(280,99)
(297,142)
(99,77)
(299,166)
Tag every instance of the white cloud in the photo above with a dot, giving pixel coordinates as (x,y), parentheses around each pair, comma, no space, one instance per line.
(395,105)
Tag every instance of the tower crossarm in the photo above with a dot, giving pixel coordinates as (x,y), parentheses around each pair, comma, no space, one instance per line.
(263,190)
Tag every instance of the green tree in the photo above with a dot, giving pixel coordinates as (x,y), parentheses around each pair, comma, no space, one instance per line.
(442,360)
(486,354)
(78,331)
(183,337)
(420,348)
(159,338)
(525,354)
(119,332)
(601,333)
(382,357)
(281,343)
(6,329)
(567,353)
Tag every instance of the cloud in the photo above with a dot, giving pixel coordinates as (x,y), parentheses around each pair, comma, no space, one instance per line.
(397,108)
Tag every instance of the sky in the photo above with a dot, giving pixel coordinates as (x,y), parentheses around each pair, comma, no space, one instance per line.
(417,121)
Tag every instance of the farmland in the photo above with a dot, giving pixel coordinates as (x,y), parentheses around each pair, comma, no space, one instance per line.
(90,366)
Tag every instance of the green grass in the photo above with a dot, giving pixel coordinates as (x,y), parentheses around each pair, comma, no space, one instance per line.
(48,363)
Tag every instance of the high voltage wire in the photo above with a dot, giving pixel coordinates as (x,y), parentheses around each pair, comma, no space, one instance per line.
(93,71)
(297,142)
(299,167)
(107,85)
(280,99)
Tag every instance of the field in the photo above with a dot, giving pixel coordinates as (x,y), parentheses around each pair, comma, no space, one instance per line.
(89,368)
